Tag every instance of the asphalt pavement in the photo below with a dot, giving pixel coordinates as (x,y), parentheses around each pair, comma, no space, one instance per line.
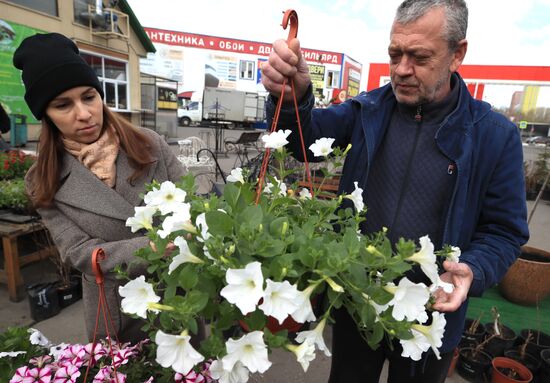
(68,325)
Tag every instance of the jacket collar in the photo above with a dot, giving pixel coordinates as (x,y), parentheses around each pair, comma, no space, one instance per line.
(453,130)
(82,189)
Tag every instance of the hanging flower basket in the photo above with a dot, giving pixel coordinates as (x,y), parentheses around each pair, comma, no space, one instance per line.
(253,257)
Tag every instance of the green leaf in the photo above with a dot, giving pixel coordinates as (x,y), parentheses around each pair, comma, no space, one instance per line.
(255,320)
(376,335)
(276,340)
(191,325)
(231,194)
(271,248)
(228,315)
(252,215)
(276,226)
(196,300)
(367,314)
(219,223)
(188,276)
(213,345)
(170,291)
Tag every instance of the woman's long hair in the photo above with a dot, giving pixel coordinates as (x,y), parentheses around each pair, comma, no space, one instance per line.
(43,178)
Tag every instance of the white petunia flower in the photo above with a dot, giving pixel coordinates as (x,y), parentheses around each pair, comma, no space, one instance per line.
(177,352)
(136,296)
(305,194)
(425,337)
(238,374)
(168,198)
(58,350)
(178,221)
(11,354)
(413,348)
(440,284)
(304,312)
(322,147)
(244,287)
(305,353)
(203,227)
(315,337)
(236,176)
(280,300)
(38,338)
(276,140)
(357,198)
(142,219)
(184,256)
(455,254)
(425,257)
(409,300)
(281,185)
(250,350)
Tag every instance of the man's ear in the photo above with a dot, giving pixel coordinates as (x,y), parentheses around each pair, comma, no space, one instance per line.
(458,55)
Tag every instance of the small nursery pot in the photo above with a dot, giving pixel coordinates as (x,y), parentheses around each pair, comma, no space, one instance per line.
(503,367)
(67,295)
(472,368)
(544,372)
(472,339)
(530,361)
(499,344)
(540,341)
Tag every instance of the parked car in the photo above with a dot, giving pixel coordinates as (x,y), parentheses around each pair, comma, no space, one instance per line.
(538,140)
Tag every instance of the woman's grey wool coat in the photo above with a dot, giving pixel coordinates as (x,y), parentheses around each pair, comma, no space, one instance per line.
(87,214)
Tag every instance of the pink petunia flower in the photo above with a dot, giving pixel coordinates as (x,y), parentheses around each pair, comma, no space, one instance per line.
(41,361)
(106,375)
(98,352)
(40,375)
(22,376)
(66,374)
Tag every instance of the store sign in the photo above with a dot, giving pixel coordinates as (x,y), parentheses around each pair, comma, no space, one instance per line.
(167,98)
(233,45)
(317,74)
(12,90)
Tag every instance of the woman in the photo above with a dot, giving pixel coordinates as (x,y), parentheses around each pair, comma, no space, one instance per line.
(91,170)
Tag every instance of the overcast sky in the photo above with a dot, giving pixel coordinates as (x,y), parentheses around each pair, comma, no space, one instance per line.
(500,32)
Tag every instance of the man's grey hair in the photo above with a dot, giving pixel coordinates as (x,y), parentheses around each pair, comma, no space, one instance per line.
(456,15)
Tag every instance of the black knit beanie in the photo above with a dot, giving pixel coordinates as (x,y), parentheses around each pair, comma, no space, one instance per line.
(50,65)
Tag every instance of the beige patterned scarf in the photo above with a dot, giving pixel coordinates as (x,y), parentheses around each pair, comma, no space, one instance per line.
(99,156)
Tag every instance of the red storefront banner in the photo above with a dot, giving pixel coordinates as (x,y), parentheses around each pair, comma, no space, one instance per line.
(185,39)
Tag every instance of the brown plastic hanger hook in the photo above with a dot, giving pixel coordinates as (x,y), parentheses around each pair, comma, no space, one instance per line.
(292,16)
(97,256)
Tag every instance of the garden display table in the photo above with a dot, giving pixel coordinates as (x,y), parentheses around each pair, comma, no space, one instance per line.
(13,261)
(512,315)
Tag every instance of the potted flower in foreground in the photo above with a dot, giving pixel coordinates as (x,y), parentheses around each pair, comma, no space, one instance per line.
(30,357)
(248,256)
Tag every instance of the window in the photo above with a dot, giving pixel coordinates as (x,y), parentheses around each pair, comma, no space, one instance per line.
(246,70)
(46,6)
(333,79)
(113,75)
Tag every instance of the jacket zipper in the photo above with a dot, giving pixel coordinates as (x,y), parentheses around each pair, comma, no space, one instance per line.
(418,119)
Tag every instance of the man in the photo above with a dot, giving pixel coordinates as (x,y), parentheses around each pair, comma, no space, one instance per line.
(431,160)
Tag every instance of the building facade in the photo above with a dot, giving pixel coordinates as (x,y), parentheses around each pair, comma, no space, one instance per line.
(107,33)
(196,61)
(522,93)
